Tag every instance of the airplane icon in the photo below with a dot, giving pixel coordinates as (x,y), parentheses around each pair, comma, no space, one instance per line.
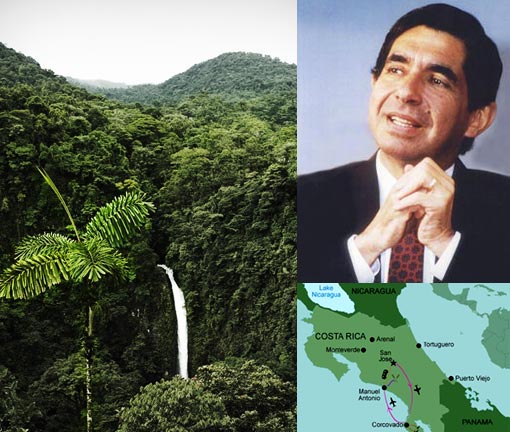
(417,389)
(392,402)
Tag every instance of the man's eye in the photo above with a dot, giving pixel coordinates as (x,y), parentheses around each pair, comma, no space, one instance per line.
(394,70)
(439,82)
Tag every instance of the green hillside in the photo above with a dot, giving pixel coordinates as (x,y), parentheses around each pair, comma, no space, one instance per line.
(220,170)
(232,76)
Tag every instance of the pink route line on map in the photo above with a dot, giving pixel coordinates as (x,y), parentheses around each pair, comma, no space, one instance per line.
(389,409)
(410,385)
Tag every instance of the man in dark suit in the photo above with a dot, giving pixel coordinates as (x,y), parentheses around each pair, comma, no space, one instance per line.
(413,212)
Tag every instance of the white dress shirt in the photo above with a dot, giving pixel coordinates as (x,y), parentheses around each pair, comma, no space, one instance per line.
(431,268)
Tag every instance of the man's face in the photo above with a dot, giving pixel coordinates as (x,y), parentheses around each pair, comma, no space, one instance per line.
(419,103)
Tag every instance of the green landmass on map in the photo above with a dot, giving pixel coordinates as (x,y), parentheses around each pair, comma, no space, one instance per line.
(381,306)
(496,338)
(403,350)
(461,416)
(302,295)
(443,290)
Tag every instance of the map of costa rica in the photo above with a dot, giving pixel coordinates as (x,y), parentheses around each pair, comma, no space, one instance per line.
(419,357)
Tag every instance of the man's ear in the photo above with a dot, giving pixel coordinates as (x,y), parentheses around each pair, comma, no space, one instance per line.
(480,119)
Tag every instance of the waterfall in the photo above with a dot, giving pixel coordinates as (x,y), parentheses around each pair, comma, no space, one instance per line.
(182,325)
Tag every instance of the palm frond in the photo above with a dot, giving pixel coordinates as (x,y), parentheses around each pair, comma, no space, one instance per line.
(42,244)
(31,276)
(118,220)
(94,259)
(54,188)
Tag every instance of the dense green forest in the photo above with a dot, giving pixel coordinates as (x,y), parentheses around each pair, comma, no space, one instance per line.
(214,149)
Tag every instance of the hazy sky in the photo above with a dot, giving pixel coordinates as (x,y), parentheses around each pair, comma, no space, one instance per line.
(149,41)
(338,42)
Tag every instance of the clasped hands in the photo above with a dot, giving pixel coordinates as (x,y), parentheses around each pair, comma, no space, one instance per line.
(424,192)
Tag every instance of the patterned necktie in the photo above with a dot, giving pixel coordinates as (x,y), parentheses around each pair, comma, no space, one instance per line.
(406,262)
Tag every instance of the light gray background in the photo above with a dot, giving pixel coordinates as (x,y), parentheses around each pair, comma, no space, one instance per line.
(338,42)
(149,41)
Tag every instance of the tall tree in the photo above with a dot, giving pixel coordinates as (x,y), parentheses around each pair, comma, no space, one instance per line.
(48,259)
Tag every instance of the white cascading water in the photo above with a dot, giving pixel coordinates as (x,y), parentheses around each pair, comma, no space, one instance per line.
(182,324)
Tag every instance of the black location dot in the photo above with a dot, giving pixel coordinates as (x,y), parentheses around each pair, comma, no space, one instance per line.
(418,345)
(372,339)
(406,425)
(363,350)
(450,378)
(384,387)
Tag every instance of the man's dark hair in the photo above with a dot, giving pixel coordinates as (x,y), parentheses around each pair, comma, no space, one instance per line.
(482,65)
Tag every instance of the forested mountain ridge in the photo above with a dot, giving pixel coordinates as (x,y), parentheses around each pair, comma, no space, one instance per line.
(17,68)
(221,172)
(236,75)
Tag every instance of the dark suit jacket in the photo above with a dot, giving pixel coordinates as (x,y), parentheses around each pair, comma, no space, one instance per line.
(334,204)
